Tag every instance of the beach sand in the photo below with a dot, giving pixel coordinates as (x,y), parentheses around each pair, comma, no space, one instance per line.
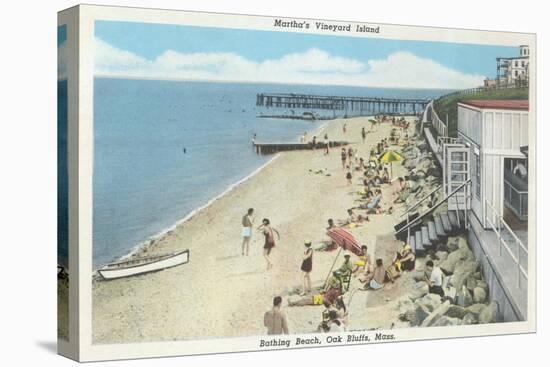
(220,293)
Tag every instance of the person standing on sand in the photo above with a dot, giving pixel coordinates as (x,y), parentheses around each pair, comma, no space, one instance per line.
(314,142)
(269,240)
(344,128)
(363,134)
(275,319)
(247,222)
(344,156)
(307,266)
(349,176)
(326,144)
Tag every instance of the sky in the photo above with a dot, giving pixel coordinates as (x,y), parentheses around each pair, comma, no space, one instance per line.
(62,52)
(161,51)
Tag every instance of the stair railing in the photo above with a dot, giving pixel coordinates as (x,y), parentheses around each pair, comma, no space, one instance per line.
(430,210)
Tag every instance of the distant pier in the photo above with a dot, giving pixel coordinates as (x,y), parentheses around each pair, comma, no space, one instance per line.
(270,148)
(367,104)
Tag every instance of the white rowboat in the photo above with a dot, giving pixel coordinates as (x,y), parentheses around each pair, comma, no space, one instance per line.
(143,265)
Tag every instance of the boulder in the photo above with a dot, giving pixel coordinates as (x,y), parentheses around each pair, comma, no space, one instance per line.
(462,270)
(464,298)
(476,308)
(448,265)
(469,319)
(417,315)
(441,255)
(430,301)
(452,243)
(436,314)
(450,292)
(482,284)
(479,295)
(471,282)
(418,275)
(446,321)
(420,290)
(405,305)
(456,311)
(489,314)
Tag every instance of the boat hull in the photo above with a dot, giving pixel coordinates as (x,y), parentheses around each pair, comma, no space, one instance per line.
(148,267)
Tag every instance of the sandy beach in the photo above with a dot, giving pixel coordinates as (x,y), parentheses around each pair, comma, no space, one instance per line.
(220,293)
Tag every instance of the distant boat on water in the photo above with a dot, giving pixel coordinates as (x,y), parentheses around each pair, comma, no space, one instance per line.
(143,265)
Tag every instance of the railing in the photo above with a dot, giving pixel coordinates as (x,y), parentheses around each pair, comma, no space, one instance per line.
(418,219)
(445,140)
(437,123)
(421,200)
(498,225)
(516,200)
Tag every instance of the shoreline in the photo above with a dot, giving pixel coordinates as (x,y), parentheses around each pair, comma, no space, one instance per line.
(143,246)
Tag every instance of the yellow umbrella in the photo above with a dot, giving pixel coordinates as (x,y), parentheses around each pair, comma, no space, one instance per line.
(390,156)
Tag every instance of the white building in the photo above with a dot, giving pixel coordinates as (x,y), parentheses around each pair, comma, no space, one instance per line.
(514,70)
(496,133)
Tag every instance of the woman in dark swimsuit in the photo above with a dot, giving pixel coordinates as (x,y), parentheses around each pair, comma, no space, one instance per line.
(307,265)
(269,240)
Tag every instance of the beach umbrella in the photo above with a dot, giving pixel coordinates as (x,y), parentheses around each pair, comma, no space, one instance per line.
(345,240)
(390,156)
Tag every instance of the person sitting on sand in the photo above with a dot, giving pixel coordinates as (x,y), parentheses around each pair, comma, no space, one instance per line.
(403,191)
(331,224)
(385,175)
(269,243)
(333,288)
(352,218)
(335,324)
(342,310)
(345,270)
(405,259)
(324,325)
(379,276)
(363,264)
(307,266)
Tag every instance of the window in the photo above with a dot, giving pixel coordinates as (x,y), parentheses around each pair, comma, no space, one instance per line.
(516,73)
(516,63)
(523,64)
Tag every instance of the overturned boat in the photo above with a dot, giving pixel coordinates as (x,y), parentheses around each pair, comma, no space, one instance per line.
(143,265)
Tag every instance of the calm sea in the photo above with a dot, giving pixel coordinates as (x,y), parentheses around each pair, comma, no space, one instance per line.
(164,148)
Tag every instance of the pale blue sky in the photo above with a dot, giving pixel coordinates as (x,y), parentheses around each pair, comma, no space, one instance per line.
(150,41)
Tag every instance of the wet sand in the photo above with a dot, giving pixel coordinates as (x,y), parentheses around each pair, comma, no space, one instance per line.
(220,293)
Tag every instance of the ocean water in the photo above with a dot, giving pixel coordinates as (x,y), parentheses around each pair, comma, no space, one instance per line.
(165,148)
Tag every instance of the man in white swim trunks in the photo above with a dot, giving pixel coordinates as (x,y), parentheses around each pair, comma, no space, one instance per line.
(248,221)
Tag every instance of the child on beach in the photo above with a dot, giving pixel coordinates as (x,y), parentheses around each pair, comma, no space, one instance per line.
(269,240)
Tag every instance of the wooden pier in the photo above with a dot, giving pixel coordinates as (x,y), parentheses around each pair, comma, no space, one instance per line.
(366,104)
(270,148)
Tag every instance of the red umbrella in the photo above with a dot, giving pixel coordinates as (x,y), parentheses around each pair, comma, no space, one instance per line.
(345,240)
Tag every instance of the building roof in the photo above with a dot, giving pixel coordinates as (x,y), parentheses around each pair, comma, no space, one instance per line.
(498,104)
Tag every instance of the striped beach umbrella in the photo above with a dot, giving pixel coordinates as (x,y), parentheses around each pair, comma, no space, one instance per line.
(390,156)
(345,240)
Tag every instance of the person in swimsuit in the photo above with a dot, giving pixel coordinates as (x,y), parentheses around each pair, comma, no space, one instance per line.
(269,244)
(344,155)
(247,222)
(307,266)
(363,134)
